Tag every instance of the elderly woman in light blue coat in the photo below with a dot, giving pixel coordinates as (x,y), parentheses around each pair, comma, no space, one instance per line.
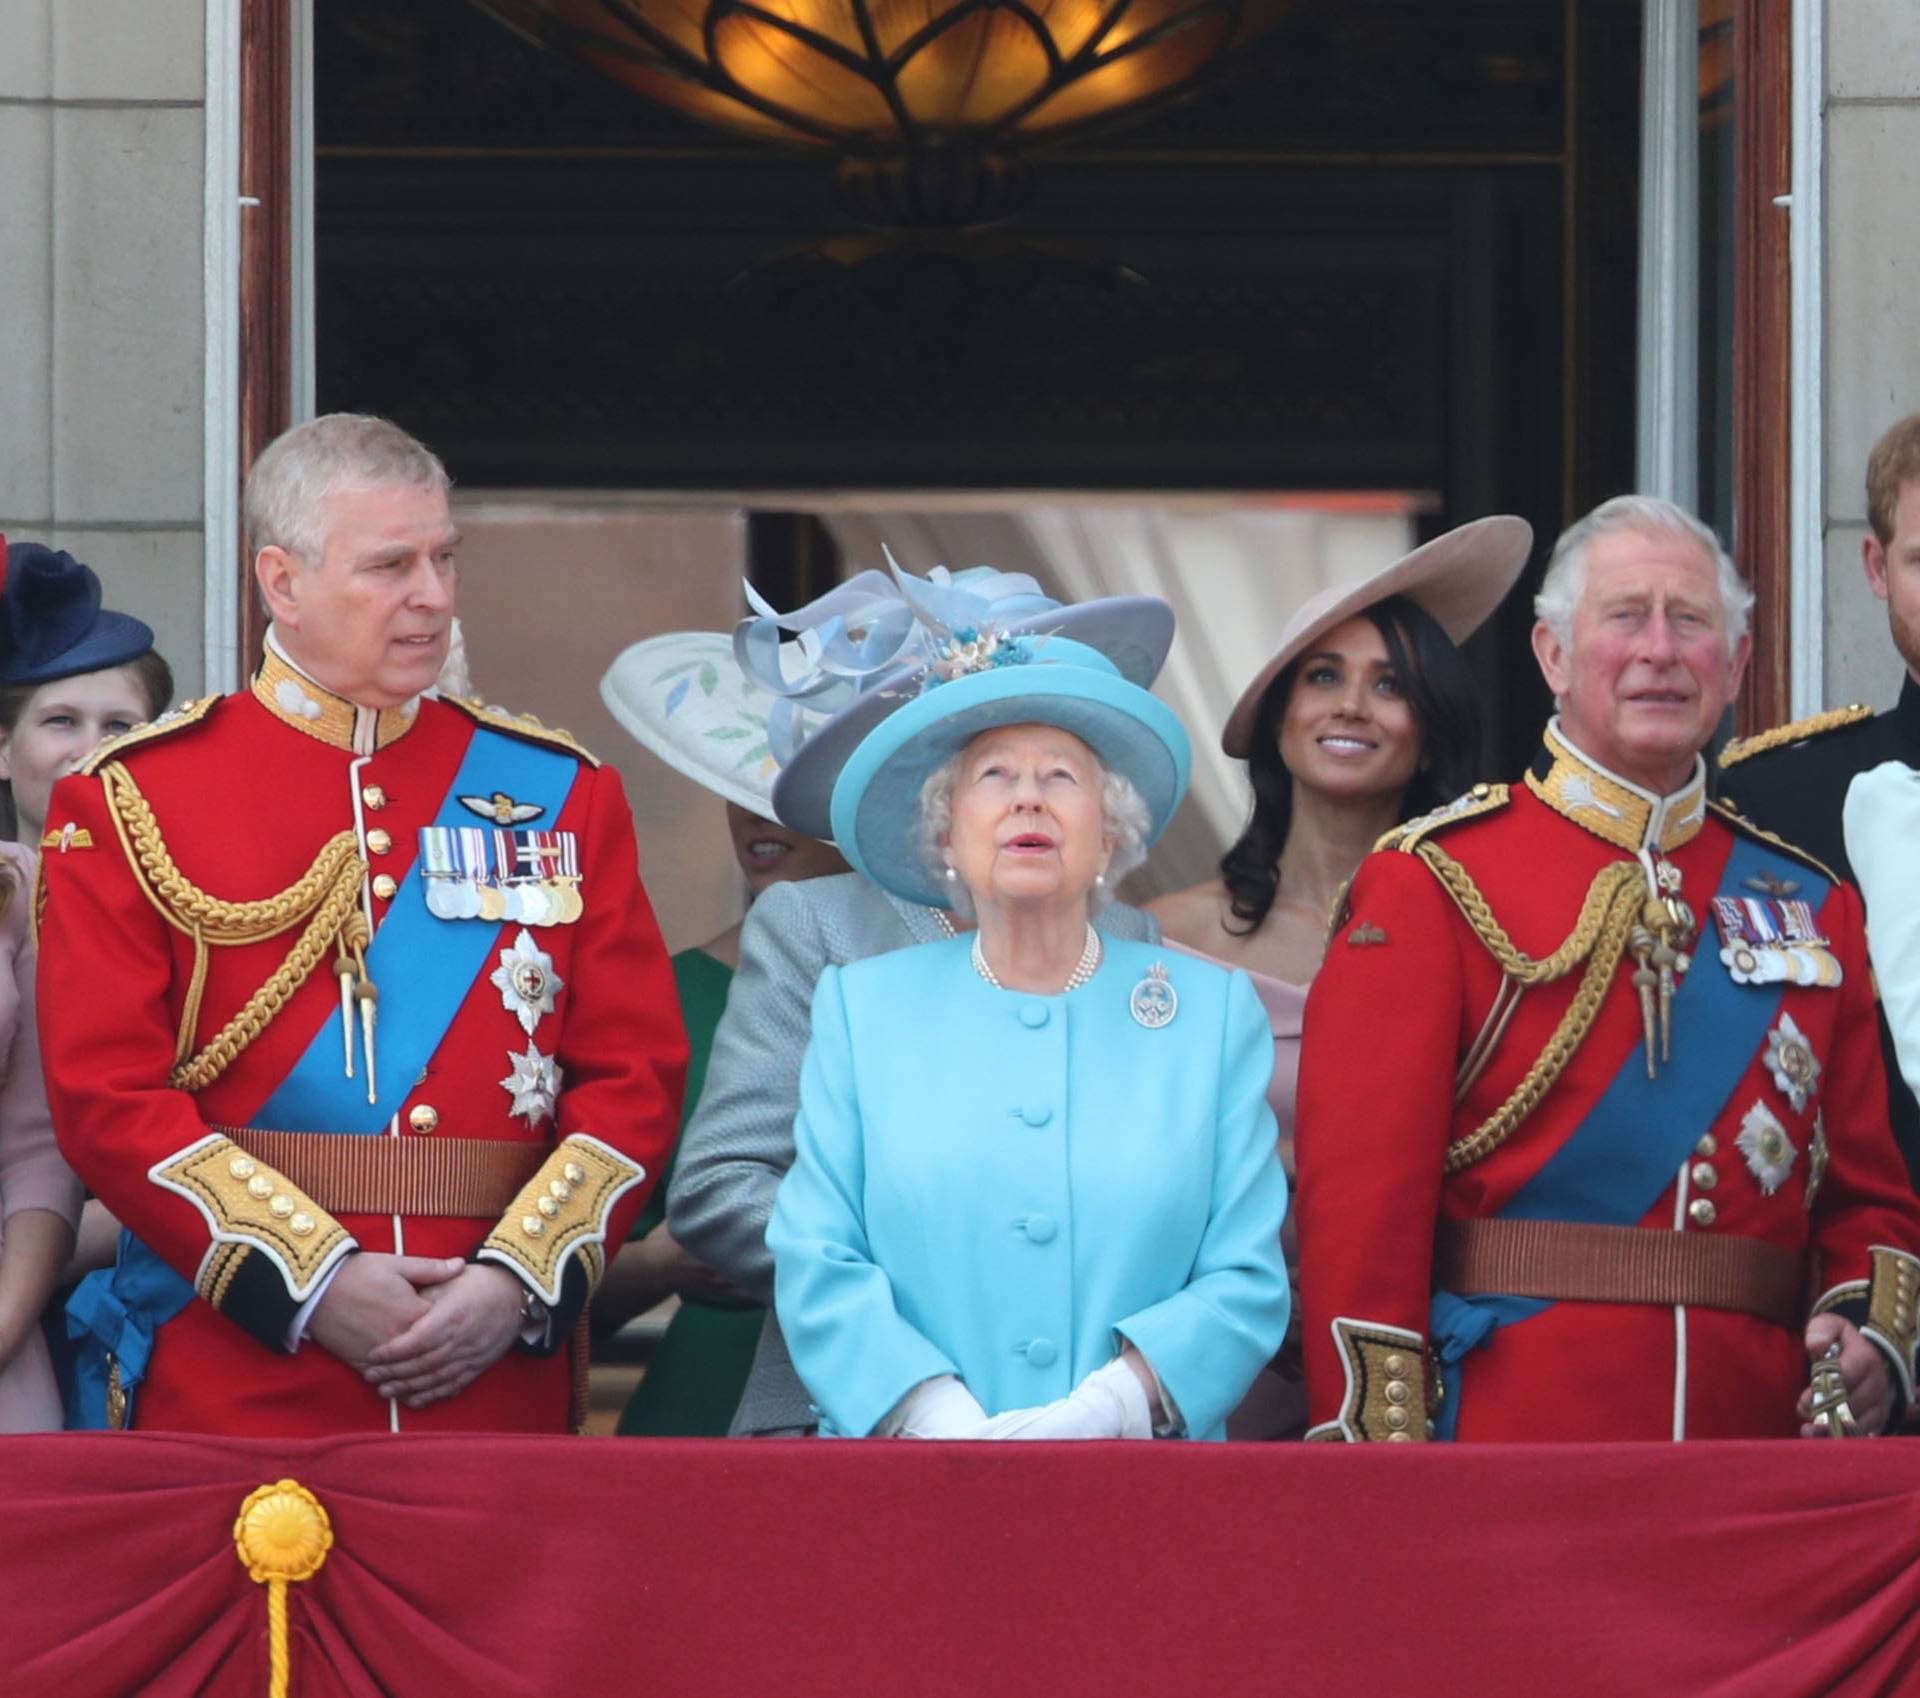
(1035,1192)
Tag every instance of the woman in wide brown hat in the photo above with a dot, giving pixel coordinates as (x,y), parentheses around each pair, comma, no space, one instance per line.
(1364,717)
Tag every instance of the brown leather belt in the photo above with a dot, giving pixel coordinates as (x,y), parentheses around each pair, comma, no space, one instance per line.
(1618,1264)
(347,1174)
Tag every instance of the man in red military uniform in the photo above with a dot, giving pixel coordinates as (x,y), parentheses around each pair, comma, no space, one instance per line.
(1591,1102)
(353,1011)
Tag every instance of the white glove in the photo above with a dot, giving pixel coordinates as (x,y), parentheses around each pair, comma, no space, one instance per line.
(1110,1403)
(939,1408)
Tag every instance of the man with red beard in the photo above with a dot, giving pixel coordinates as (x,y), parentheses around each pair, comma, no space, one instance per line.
(1590,1098)
(293,940)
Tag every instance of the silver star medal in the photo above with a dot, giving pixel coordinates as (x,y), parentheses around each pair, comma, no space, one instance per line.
(1154,1001)
(1791,1061)
(526,981)
(1768,1149)
(533,1084)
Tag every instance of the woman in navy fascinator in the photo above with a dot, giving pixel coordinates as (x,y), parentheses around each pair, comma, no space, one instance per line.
(71,673)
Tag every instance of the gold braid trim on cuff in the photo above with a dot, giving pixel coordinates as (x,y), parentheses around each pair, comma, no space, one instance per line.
(1854,1291)
(561,1210)
(217,1271)
(1893,1302)
(1607,916)
(326,897)
(1386,1397)
(247,1207)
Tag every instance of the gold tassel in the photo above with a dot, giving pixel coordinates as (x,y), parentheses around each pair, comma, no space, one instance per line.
(282,1535)
(1640,941)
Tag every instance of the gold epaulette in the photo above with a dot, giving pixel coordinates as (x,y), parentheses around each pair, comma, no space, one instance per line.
(523,726)
(1481,799)
(175,719)
(1795,731)
(1759,833)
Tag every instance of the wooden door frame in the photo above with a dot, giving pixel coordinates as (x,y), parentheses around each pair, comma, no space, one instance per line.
(268,39)
(1762,348)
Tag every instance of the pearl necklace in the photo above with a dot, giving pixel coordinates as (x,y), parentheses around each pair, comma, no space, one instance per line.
(1083,969)
(941,920)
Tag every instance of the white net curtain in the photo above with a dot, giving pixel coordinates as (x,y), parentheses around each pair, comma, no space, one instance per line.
(1231,572)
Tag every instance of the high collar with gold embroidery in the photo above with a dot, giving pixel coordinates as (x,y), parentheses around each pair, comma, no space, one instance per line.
(1611,807)
(295,699)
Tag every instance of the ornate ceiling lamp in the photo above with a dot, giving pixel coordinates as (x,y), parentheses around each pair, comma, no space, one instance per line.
(927,102)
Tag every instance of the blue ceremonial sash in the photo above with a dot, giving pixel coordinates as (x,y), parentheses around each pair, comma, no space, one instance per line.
(1633,1140)
(423,966)
(115,1312)
(118,1310)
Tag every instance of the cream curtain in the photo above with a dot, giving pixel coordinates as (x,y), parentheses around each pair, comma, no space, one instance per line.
(1232,574)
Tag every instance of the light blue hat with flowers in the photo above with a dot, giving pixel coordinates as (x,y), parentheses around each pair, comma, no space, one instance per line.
(982,683)
(865,649)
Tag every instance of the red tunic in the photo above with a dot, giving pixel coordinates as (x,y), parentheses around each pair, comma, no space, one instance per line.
(1405,992)
(245,796)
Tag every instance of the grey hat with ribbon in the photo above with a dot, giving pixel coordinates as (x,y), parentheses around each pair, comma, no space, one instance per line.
(862,651)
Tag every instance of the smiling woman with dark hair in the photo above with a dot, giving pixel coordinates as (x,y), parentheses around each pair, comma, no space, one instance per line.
(1363,718)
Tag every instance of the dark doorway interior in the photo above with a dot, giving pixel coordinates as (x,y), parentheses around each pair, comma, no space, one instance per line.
(1390,246)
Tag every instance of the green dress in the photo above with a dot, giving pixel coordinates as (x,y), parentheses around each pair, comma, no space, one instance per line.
(693,1384)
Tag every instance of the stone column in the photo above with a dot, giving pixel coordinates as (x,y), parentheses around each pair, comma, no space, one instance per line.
(102,125)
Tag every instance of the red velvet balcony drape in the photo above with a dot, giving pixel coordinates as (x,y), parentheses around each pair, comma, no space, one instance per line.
(513,1567)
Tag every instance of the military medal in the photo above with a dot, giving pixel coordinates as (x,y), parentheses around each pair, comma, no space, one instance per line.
(533,1084)
(501,875)
(1769,1151)
(526,981)
(1774,940)
(1791,1061)
(1816,1158)
(1154,1001)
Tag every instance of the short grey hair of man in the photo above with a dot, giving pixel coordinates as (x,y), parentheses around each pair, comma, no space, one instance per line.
(1650,515)
(1123,818)
(288,487)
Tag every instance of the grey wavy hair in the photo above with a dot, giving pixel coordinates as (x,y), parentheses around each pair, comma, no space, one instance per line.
(1650,515)
(284,503)
(1123,818)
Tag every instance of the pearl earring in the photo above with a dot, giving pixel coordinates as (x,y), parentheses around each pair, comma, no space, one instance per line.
(951,875)
(1100,879)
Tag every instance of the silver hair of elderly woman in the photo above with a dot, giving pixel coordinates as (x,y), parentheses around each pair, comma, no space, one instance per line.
(1648,515)
(1124,818)
(288,486)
